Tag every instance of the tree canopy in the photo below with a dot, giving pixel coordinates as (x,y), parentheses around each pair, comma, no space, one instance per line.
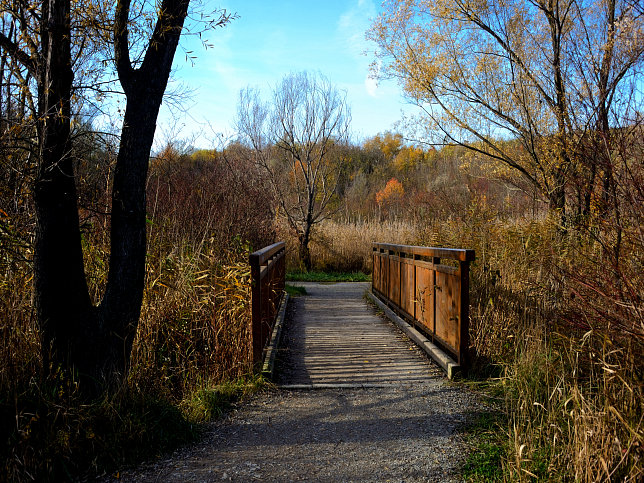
(548,73)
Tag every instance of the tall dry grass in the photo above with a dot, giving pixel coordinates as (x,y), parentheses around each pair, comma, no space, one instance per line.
(20,349)
(194,328)
(571,385)
(346,246)
(204,215)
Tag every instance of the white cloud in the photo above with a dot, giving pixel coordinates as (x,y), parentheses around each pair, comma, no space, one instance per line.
(371,85)
(353,24)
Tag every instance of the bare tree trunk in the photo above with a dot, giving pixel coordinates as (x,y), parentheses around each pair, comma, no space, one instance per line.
(61,296)
(94,343)
(119,311)
(305,251)
(121,306)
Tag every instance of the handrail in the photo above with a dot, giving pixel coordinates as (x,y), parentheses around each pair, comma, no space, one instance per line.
(432,296)
(267,252)
(268,270)
(460,254)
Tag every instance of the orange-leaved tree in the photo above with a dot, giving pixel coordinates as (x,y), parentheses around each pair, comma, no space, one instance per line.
(391,195)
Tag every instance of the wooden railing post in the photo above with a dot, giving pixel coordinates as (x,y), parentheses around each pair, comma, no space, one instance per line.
(268,270)
(435,288)
(439,293)
(256,307)
(465,314)
(400,279)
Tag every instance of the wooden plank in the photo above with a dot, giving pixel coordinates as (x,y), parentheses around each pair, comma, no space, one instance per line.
(463,255)
(268,270)
(448,305)
(256,309)
(464,343)
(266,311)
(267,252)
(394,279)
(376,278)
(407,291)
(421,288)
(424,298)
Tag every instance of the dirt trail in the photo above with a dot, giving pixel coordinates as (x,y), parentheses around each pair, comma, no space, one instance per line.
(377,408)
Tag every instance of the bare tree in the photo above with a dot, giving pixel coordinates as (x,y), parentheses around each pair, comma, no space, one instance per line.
(293,139)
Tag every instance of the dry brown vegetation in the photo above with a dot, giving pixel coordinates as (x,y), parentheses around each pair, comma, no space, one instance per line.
(556,316)
(567,378)
(557,321)
(204,215)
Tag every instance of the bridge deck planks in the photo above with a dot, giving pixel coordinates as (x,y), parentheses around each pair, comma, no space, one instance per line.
(334,337)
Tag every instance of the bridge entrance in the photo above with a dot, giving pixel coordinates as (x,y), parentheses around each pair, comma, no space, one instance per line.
(334,338)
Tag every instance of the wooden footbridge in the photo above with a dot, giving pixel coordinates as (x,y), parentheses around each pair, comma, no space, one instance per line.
(335,338)
(377,408)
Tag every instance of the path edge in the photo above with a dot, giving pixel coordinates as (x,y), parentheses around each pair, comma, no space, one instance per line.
(271,350)
(442,359)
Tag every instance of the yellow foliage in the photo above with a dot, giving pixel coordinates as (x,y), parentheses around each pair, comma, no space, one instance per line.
(408,158)
(389,144)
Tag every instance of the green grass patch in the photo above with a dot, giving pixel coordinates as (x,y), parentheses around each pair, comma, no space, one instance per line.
(317,276)
(210,403)
(485,462)
(295,290)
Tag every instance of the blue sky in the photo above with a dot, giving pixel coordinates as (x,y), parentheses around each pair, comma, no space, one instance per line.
(267,41)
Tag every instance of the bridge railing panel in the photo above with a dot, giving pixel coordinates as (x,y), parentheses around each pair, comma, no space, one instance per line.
(407,286)
(430,288)
(268,271)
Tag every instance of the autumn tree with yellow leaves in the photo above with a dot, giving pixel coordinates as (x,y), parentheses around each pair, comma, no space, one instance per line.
(555,76)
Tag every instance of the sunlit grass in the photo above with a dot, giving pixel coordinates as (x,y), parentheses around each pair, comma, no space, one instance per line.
(320,276)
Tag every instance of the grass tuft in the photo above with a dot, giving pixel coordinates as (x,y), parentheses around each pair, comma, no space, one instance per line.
(320,276)
(485,462)
(294,290)
(211,403)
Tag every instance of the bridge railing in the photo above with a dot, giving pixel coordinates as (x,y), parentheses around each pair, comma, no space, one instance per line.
(268,269)
(432,294)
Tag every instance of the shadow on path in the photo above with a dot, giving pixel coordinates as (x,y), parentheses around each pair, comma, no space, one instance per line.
(332,336)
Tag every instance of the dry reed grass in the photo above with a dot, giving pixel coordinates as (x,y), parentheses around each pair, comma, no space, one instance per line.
(572,395)
(346,246)
(192,346)
(20,348)
(193,331)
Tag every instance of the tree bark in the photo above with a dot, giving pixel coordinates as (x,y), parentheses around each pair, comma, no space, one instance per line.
(61,296)
(121,305)
(93,344)
(305,252)
(144,87)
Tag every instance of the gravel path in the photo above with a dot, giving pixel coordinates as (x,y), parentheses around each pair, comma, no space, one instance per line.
(385,415)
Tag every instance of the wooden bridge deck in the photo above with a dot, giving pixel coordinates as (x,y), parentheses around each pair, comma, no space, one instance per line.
(334,338)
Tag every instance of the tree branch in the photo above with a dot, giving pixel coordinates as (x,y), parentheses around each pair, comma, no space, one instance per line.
(121,47)
(19,55)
